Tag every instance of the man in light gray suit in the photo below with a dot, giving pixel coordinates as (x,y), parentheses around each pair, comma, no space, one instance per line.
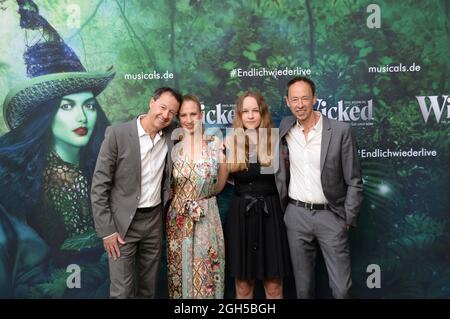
(320,187)
(129,193)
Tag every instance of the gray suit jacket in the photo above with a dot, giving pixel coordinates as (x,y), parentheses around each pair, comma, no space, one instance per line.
(339,163)
(116,184)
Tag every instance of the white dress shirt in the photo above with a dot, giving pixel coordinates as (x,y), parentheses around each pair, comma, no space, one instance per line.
(304,158)
(153,159)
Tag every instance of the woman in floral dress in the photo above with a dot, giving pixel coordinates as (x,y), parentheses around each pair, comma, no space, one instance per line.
(196,254)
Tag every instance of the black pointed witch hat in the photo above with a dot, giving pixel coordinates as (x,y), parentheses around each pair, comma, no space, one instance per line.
(53,68)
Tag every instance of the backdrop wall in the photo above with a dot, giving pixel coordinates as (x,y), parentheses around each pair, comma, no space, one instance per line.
(381,67)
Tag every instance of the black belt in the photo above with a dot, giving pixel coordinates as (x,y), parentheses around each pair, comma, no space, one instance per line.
(147,209)
(309,206)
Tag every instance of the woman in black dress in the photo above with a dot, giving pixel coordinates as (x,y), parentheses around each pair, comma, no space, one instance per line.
(255,236)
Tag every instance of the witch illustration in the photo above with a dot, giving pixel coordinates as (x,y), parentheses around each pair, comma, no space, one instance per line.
(46,165)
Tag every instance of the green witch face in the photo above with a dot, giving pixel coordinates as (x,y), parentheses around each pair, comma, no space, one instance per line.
(75,120)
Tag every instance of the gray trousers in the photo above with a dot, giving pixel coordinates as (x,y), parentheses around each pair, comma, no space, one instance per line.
(135,273)
(307,228)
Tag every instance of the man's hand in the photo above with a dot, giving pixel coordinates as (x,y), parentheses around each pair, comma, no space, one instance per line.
(111,244)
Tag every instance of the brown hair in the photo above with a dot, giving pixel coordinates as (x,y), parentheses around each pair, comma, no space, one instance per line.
(193,98)
(239,130)
(189,97)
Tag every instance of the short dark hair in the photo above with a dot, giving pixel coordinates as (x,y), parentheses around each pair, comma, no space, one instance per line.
(301,79)
(177,95)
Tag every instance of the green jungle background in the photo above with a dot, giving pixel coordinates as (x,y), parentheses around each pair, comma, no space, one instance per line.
(404,221)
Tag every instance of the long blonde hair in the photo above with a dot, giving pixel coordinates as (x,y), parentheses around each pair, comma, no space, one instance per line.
(235,148)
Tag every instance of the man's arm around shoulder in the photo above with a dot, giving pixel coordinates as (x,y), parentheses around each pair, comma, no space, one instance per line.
(102,183)
(352,175)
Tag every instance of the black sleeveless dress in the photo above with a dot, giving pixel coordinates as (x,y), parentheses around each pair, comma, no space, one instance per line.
(255,236)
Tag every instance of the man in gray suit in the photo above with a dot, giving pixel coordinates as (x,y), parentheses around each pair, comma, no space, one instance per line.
(320,187)
(130,189)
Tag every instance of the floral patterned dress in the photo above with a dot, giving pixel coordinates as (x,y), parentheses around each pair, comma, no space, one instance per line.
(196,254)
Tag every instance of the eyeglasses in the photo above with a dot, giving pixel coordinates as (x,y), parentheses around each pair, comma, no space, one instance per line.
(304,99)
